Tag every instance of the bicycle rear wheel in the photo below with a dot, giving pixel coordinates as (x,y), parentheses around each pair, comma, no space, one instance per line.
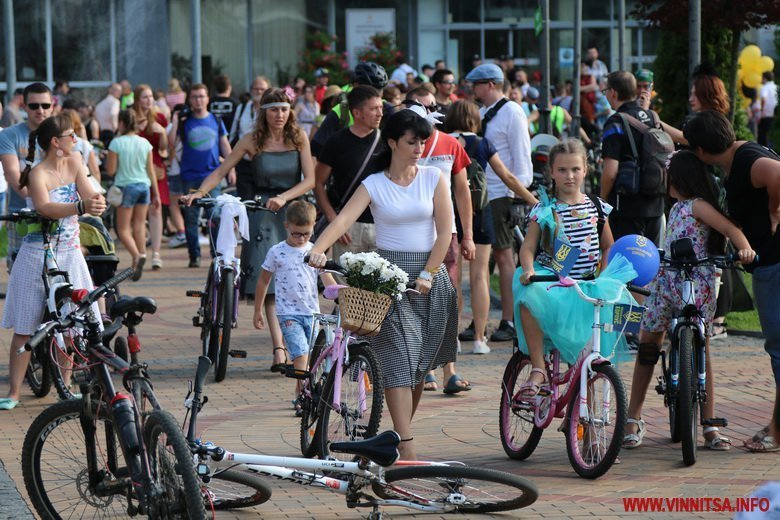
(222,328)
(55,468)
(38,370)
(172,469)
(457,488)
(686,398)
(593,446)
(360,409)
(519,436)
(311,402)
(234,489)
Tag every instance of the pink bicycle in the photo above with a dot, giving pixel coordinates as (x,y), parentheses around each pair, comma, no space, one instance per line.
(593,401)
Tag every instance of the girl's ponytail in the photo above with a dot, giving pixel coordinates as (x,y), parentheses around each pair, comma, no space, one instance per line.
(24,178)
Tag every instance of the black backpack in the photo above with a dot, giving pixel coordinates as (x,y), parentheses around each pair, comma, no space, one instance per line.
(646,173)
(476,176)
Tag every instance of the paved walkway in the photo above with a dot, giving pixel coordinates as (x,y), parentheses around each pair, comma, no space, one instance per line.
(250,411)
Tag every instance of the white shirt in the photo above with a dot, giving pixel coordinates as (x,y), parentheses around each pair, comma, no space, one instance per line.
(84,148)
(296,281)
(107,113)
(3,182)
(403,215)
(598,70)
(399,74)
(508,131)
(244,124)
(769,98)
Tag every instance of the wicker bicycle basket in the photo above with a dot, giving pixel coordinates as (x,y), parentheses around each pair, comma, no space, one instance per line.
(362,312)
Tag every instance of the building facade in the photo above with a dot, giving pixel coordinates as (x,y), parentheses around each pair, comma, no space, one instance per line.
(93,42)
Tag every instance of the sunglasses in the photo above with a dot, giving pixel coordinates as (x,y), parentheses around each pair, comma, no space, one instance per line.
(72,135)
(36,106)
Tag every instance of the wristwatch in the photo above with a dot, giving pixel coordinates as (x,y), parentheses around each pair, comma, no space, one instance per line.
(425,275)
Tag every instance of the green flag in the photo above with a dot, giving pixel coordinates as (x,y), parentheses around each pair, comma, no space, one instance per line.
(538,22)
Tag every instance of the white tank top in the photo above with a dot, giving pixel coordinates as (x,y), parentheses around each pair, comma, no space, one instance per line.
(404,214)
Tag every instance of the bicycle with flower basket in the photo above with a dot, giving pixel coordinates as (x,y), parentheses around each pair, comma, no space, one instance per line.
(343,392)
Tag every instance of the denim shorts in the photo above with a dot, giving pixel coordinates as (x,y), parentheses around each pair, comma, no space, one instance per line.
(175,185)
(135,194)
(296,329)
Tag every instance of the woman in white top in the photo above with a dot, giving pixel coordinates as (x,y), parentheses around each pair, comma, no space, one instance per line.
(413,214)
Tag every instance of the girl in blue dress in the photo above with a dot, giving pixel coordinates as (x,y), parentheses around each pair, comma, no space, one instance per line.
(558,318)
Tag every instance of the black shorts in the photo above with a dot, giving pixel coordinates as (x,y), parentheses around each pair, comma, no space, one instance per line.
(482,224)
(649,227)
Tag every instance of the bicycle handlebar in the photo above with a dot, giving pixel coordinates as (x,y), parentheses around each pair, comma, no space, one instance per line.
(25,214)
(84,303)
(331,265)
(256,204)
(728,261)
(556,278)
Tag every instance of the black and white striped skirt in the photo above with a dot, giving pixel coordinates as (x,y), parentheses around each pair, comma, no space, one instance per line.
(420,332)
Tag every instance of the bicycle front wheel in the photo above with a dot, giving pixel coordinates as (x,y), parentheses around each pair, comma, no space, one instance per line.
(173,471)
(234,489)
(38,370)
(519,435)
(56,471)
(457,488)
(361,398)
(312,393)
(70,367)
(593,444)
(688,411)
(224,325)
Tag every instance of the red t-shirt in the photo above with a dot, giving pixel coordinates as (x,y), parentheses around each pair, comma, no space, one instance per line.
(447,155)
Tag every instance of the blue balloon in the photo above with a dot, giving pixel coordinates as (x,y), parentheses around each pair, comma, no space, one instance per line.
(642,254)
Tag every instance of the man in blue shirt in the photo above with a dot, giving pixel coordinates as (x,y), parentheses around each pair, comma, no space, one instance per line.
(14,142)
(204,138)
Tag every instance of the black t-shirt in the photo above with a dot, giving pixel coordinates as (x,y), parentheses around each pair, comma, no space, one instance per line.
(615,145)
(331,124)
(748,206)
(345,152)
(224,107)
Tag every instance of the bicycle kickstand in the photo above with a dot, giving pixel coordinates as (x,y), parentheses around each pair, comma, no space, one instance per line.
(376,514)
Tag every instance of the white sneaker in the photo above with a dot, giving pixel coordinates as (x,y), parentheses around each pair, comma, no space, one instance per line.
(480,347)
(177,241)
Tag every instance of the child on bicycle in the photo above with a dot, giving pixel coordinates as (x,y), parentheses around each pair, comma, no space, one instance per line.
(296,287)
(695,215)
(558,318)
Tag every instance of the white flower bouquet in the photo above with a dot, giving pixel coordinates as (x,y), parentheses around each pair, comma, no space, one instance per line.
(371,272)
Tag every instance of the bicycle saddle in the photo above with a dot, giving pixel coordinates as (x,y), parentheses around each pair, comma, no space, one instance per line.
(127,304)
(382,449)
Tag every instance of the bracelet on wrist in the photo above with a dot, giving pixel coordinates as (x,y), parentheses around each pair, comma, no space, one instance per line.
(80,207)
(425,275)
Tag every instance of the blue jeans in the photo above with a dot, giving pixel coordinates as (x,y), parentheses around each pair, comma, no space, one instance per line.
(191,216)
(766,291)
(296,329)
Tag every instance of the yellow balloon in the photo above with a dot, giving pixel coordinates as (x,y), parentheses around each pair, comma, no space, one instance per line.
(740,73)
(751,52)
(767,64)
(752,80)
(751,65)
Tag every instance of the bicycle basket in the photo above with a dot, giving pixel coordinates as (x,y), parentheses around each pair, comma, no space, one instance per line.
(362,312)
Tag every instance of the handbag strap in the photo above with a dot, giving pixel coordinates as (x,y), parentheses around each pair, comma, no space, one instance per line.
(433,146)
(359,174)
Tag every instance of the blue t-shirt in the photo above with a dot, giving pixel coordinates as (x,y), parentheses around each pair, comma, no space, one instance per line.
(200,153)
(15,140)
(485,149)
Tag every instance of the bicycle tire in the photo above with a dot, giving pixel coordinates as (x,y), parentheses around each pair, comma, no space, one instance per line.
(38,371)
(205,308)
(79,370)
(55,442)
(310,404)
(671,396)
(235,489)
(686,396)
(587,462)
(172,469)
(224,323)
(361,374)
(121,349)
(519,435)
(432,485)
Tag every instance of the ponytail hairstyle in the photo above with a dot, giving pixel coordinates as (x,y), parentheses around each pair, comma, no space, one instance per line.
(690,178)
(127,118)
(51,127)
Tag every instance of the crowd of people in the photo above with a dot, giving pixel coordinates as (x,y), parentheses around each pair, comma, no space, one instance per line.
(393,163)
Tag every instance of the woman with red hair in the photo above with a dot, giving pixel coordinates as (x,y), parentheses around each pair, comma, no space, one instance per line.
(709,93)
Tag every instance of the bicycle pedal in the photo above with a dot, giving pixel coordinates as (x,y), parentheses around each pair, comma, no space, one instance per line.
(196,321)
(194,294)
(237,354)
(294,373)
(716,421)
(660,388)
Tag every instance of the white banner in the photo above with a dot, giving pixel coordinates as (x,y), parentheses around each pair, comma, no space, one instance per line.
(362,24)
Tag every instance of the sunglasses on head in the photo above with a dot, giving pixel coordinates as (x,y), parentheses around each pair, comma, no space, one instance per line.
(36,106)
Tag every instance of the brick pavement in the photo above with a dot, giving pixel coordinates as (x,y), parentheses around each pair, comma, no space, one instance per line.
(250,411)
